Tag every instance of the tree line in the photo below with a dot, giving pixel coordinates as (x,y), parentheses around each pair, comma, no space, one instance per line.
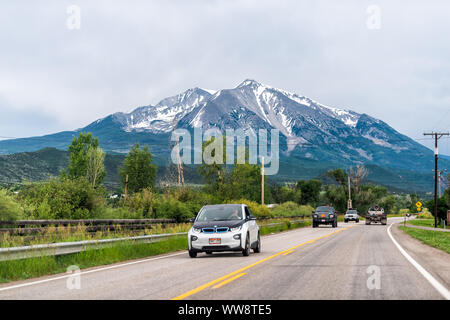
(78,192)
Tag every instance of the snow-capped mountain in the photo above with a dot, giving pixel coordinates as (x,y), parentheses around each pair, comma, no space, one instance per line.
(274,107)
(309,130)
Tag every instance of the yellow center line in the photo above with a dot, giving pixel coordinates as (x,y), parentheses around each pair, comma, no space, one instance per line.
(228,281)
(285,254)
(211,283)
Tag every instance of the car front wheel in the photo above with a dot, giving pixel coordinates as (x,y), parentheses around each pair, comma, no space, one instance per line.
(246,251)
(192,254)
(258,246)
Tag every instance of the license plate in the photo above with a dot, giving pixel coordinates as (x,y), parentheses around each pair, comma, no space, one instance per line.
(323,220)
(214,240)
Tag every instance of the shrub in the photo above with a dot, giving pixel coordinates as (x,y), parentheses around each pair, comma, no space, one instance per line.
(140,203)
(10,209)
(256,209)
(62,198)
(171,208)
(425,214)
(289,209)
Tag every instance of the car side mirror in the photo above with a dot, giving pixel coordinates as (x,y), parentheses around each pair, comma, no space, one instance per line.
(191,219)
(252,218)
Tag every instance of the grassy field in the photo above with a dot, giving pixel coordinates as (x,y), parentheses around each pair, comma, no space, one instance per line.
(437,239)
(35,267)
(424,223)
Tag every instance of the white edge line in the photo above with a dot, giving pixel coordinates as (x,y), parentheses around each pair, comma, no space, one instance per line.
(86,272)
(439,287)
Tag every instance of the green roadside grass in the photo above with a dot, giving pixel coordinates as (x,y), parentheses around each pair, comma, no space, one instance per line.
(437,239)
(396,215)
(424,223)
(287,225)
(23,269)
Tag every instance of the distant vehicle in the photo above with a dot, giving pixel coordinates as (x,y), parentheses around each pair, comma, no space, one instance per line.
(351,215)
(376,214)
(224,227)
(324,215)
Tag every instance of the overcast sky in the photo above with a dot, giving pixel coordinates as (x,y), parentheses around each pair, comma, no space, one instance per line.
(132,53)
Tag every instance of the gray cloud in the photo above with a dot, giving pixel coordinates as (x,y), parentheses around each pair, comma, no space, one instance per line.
(133,53)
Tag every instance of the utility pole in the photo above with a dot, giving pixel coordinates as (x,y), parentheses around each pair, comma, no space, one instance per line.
(437,136)
(262,180)
(349,203)
(126,186)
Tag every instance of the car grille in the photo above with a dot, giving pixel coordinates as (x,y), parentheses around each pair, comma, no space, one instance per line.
(215,247)
(217,230)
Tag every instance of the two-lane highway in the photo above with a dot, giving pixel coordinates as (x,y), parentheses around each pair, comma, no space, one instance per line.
(353,261)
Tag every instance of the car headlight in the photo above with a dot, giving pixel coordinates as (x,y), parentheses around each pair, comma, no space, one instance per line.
(331,215)
(197,230)
(235,229)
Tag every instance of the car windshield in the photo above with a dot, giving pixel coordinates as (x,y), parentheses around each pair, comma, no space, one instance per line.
(220,213)
(352,212)
(324,209)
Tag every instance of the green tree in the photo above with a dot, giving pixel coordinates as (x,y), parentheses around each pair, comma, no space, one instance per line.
(244,181)
(95,169)
(442,207)
(139,168)
(213,174)
(388,204)
(310,191)
(336,196)
(79,159)
(339,175)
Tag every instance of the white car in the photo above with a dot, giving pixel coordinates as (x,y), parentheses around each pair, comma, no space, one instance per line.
(224,227)
(351,215)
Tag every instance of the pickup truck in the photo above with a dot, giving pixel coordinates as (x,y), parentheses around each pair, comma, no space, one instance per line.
(376,214)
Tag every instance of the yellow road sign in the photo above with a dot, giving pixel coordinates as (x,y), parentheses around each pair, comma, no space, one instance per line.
(418,204)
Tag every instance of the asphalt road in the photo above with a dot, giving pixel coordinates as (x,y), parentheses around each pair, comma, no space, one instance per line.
(321,263)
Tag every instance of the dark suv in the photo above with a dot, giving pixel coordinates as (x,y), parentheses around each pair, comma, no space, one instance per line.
(324,215)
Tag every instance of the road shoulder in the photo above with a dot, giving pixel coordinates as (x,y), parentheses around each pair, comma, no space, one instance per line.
(435,261)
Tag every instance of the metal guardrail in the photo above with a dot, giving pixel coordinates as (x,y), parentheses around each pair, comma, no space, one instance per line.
(65,222)
(54,249)
(27,227)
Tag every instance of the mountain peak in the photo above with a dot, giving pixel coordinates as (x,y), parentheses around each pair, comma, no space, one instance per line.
(249,82)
